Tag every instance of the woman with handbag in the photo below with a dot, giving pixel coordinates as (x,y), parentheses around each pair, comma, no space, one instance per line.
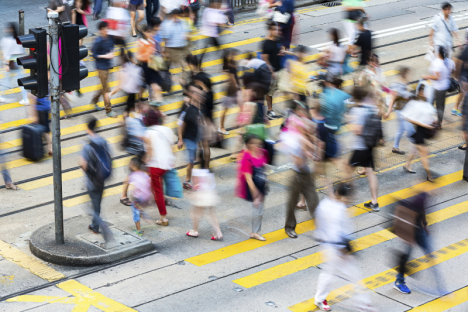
(159,157)
(251,180)
(423,116)
(145,55)
(11,51)
(441,70)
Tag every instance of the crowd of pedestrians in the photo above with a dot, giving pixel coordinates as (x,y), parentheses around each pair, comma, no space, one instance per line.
(310,132)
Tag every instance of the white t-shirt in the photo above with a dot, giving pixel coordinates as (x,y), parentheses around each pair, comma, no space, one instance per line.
(442,36)
(445,68)
(210,21)
(255,63)
(161,138)
(419,111)
(123,17)
(332,223)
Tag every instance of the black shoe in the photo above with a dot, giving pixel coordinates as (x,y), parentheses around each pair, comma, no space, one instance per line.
(374,207)
(461,147)
(398,151)
(349,186)
(409,171)
(465,179)
(291,233)
(92,230)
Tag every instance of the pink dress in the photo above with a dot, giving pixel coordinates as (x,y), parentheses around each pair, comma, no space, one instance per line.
(245,166)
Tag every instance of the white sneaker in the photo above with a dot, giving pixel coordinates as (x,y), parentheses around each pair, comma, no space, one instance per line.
(223,132)
(323,305)
(2,100)
(24,102)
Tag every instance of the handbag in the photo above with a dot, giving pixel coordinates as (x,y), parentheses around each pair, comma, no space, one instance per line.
(279,17)
(257,129)
(355,15)
(156,62)
(172,185)
(259,180)
(454,86)
(346,68)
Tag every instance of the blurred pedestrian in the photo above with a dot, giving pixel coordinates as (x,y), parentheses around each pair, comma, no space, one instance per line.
(159,157)
(189,129)
(465,135)
(399,96)
(364,42)
(354,10)
(97,9)
(298,74)
(11,51)
(146,49)
(96,162)
(461,62)
(232,90)
(136,6)
(303,181)
(39,113)
(230,12)
(266,8)
(152,9)
(204,199)
(362,124)
(334,55)
(103,52)
(272,50)
(287,8)
(62,8)
(411,226)
(175,34)
(119,23)
(213,21)
(140,192)
(80,9)
(443,29)
(440,72)
(423,117)
(251,180)
(333,231)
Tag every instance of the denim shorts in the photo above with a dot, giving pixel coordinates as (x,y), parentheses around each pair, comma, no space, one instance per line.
(191,147)
(136,214)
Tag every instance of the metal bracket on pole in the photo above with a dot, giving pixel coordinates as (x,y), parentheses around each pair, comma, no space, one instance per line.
(21,22)
(55,114)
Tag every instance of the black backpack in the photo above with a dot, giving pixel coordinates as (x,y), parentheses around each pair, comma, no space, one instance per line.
(372,131)
(99,166)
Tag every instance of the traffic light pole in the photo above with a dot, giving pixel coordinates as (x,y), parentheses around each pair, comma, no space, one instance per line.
(56,148)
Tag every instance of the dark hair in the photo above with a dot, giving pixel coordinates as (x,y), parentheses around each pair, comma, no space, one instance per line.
(446,6)
(92,122)
(335,35)
(204,78)
(126,56)
(374,58)
(404,70)
(301,49)
(102,24)
(362,21)
(186,10)
(226,61)
(334,80)
(192,60)
(249,137)
(359,93)
(258,89)
(193,85)
(155,21)
(13,26)
(251,55)
(442,52)
(341,190)
(136,162)
(271,24)
(84,4)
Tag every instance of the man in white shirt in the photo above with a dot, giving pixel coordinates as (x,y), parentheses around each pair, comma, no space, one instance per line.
(443,29)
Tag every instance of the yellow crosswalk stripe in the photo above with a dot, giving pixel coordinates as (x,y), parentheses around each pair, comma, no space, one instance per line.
(362,243)
(387,277)
(272,237)
(444,303)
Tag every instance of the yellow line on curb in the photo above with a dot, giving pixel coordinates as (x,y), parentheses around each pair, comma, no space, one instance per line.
(307,226)
(387,277)
(27,262)
(362,243)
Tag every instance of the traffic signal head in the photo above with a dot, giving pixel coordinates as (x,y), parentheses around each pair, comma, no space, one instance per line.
(36,62)
(72,53)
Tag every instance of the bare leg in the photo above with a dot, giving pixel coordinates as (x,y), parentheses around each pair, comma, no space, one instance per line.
(223,117)
(141,15)
(425,161)
(124,189)
(213,220)
(269,100)
(132,22)
(189,172)
(157,92)
(49,142)
(206,153)
(196,213)
(373,184)
(410,158)
(137,224)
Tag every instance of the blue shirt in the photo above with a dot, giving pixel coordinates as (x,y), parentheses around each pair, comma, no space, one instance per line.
(103,46)
(175,33)
(332,106)
(43,104)
(86,154)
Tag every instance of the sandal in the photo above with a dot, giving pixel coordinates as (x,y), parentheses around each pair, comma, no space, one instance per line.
(258,237)
(125,201)
(12,187)
(216,238)
(168,202)
(192,233)
(361,172)
(304,208)
(164,222)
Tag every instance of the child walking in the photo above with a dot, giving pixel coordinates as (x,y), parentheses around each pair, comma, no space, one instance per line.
(140,192)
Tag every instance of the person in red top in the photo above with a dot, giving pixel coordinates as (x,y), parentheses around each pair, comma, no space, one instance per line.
(251,182)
